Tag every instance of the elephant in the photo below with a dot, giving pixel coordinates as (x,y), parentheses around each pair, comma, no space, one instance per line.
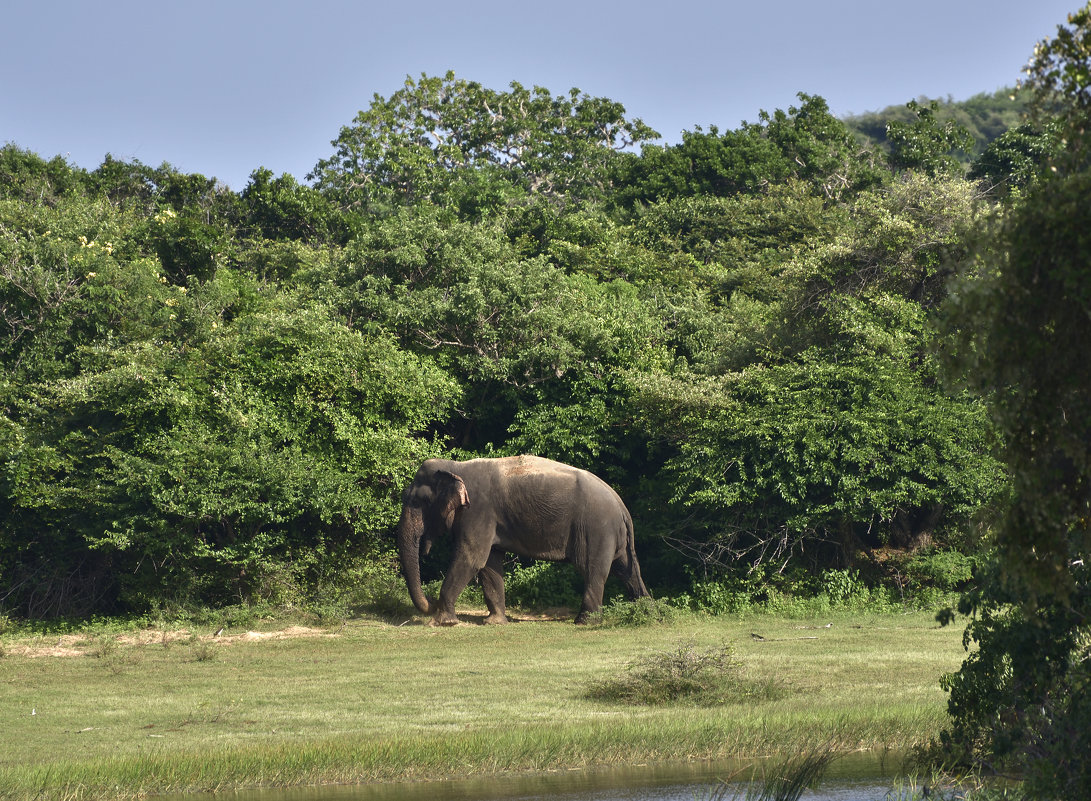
(526,505)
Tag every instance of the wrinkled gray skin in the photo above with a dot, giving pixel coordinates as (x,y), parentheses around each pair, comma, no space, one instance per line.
(524,505)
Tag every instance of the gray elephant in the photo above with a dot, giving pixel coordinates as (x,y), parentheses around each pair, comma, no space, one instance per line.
(524,505)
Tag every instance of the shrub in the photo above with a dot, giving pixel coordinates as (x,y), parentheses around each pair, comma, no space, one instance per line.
(944,570)
(796,595)
(684,674)
(372,582)
(843,586)
(640,612)
(720,598)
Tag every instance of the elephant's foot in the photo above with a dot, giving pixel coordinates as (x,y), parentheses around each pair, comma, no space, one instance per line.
(496,618)
(584,617)
(444,619)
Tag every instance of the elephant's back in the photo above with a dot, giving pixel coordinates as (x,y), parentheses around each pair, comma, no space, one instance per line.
(527,465)
(552,489)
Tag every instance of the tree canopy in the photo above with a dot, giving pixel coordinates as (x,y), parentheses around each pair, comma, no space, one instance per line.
(1020,318)
(211,397)
(455,142)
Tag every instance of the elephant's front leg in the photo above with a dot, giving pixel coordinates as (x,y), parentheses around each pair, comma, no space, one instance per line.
(492,583)
(464,567)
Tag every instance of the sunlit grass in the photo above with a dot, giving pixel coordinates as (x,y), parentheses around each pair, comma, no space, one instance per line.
(377,702)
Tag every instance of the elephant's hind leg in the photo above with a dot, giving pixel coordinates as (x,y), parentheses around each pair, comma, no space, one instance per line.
(492,584)
(591,607)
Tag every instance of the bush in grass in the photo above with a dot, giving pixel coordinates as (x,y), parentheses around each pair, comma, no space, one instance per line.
(639,612)
(720,598)
(684,674)
(798,595)
(948,571)
(844,587)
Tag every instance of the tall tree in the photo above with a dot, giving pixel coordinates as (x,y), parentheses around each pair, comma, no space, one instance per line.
(1021,700)
(805,143)
(459,143)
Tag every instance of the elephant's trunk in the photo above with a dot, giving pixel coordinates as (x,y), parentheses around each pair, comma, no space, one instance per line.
(410,530)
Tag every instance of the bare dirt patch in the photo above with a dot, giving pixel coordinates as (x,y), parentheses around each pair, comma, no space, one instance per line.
(72,645)
(283,634)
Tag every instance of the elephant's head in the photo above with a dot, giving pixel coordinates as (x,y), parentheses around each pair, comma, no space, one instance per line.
(429,508)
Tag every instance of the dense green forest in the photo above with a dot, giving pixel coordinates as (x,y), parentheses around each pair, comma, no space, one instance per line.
(212,398)
(813,355)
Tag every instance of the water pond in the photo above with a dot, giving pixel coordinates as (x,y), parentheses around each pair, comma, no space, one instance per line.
(853,778)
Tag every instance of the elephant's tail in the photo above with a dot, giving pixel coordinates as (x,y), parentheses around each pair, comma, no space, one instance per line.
(634,582)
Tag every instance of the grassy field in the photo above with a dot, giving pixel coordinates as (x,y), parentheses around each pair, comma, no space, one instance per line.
(117,715)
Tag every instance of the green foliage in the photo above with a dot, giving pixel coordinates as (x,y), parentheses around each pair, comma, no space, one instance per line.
(984,116)
(925,144)
(820,451)
(685,674)
(283,435)
(515,331)
(211,399)
(370,581)
(946,569)
(735,242)
(184,434)
(842,586)
(27,177)
(823,423)
(542,584)
(802,594)
(1018,157)
(459,144)
(1019,699)
(724,597)
(280,208)
(1059,80)
(805,144)
(1021,319)
(1032,307)
(639,612)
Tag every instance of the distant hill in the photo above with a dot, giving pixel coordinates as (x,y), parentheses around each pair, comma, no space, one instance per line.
(984,115)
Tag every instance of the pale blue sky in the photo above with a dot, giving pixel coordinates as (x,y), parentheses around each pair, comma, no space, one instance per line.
(223,87)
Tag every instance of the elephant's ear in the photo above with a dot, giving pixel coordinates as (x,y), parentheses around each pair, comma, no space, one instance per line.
(454,497)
